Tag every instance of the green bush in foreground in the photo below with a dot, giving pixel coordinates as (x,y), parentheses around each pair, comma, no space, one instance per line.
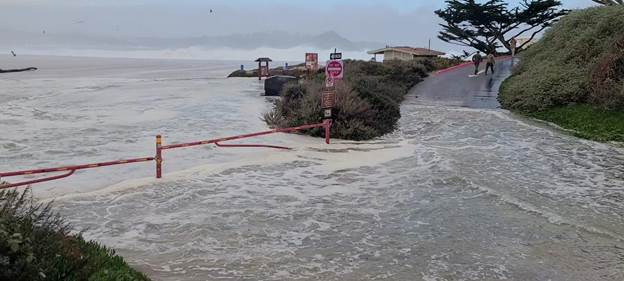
(367,100)
(36,244)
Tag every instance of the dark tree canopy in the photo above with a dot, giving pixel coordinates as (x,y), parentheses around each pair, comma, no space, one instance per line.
(610,2)
(492,24)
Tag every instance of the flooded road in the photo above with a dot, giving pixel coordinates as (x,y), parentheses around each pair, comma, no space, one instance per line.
(455,194)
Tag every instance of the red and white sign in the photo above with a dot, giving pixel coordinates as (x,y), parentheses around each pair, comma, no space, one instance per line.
(311,61)
(334,69)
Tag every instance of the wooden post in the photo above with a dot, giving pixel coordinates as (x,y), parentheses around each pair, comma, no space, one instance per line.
(259,70)
(328,123)
(158,157)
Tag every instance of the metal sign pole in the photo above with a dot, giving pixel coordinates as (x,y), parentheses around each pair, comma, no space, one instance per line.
(333,71)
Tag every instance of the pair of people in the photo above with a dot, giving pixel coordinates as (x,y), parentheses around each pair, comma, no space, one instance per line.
(490,61)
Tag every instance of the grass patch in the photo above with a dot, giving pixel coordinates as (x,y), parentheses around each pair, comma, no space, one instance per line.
(586,121)
(37,244)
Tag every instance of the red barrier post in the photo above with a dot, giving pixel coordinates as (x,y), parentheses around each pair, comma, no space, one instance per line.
(158,156)
(327,124)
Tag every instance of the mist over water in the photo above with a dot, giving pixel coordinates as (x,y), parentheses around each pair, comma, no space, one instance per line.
(292,55)
(454,194)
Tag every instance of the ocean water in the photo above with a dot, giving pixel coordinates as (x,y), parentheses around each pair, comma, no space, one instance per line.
(453,194)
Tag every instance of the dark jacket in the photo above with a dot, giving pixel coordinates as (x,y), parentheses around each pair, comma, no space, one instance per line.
(477,58)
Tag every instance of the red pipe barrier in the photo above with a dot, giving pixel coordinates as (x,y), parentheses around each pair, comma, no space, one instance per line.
(327,125)
(158,158)
(71,172)
(278,130)
(77,167)
(69,169)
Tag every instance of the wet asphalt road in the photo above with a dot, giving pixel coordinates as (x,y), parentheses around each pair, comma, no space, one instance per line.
(459,88)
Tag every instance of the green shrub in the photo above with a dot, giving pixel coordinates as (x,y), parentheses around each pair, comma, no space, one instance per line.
(367,100)
(557,70)
(36,244)
(440,63)
(300,104)
(607,80)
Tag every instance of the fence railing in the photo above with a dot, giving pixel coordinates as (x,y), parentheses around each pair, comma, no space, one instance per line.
(158,158)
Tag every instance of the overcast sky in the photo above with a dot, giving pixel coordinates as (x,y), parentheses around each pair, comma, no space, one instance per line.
(409,22)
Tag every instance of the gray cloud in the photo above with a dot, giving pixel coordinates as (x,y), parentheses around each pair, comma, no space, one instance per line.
(116,22)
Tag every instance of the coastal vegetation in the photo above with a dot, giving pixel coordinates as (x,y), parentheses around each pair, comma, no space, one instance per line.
(37,244)
(574,76)
(367,99)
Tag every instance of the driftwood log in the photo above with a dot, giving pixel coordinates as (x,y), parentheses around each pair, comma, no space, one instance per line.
(17,70)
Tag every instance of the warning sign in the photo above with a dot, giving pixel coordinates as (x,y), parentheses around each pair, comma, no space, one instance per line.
(334,69)
(328,99)
(311,61)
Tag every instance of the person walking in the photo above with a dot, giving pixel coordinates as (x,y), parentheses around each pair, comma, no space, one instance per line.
(490,61)
(477,59)
(513,43)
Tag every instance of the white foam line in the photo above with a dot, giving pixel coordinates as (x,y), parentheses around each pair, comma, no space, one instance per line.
(170,177)
(468,147)
(332,161)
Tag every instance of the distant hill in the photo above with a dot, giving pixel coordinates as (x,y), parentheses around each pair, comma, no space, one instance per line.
(277,39)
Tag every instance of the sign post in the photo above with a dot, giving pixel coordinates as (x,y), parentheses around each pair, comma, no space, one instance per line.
(334,70)
(328,101)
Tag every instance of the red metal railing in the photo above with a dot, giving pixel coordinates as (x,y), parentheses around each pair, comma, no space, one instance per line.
(158,158)
(465,64)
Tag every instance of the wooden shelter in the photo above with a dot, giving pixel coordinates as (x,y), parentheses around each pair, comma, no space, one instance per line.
(263,70)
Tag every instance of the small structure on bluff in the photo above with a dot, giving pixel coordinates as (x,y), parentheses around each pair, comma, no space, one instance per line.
(263,70)
(404,53)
